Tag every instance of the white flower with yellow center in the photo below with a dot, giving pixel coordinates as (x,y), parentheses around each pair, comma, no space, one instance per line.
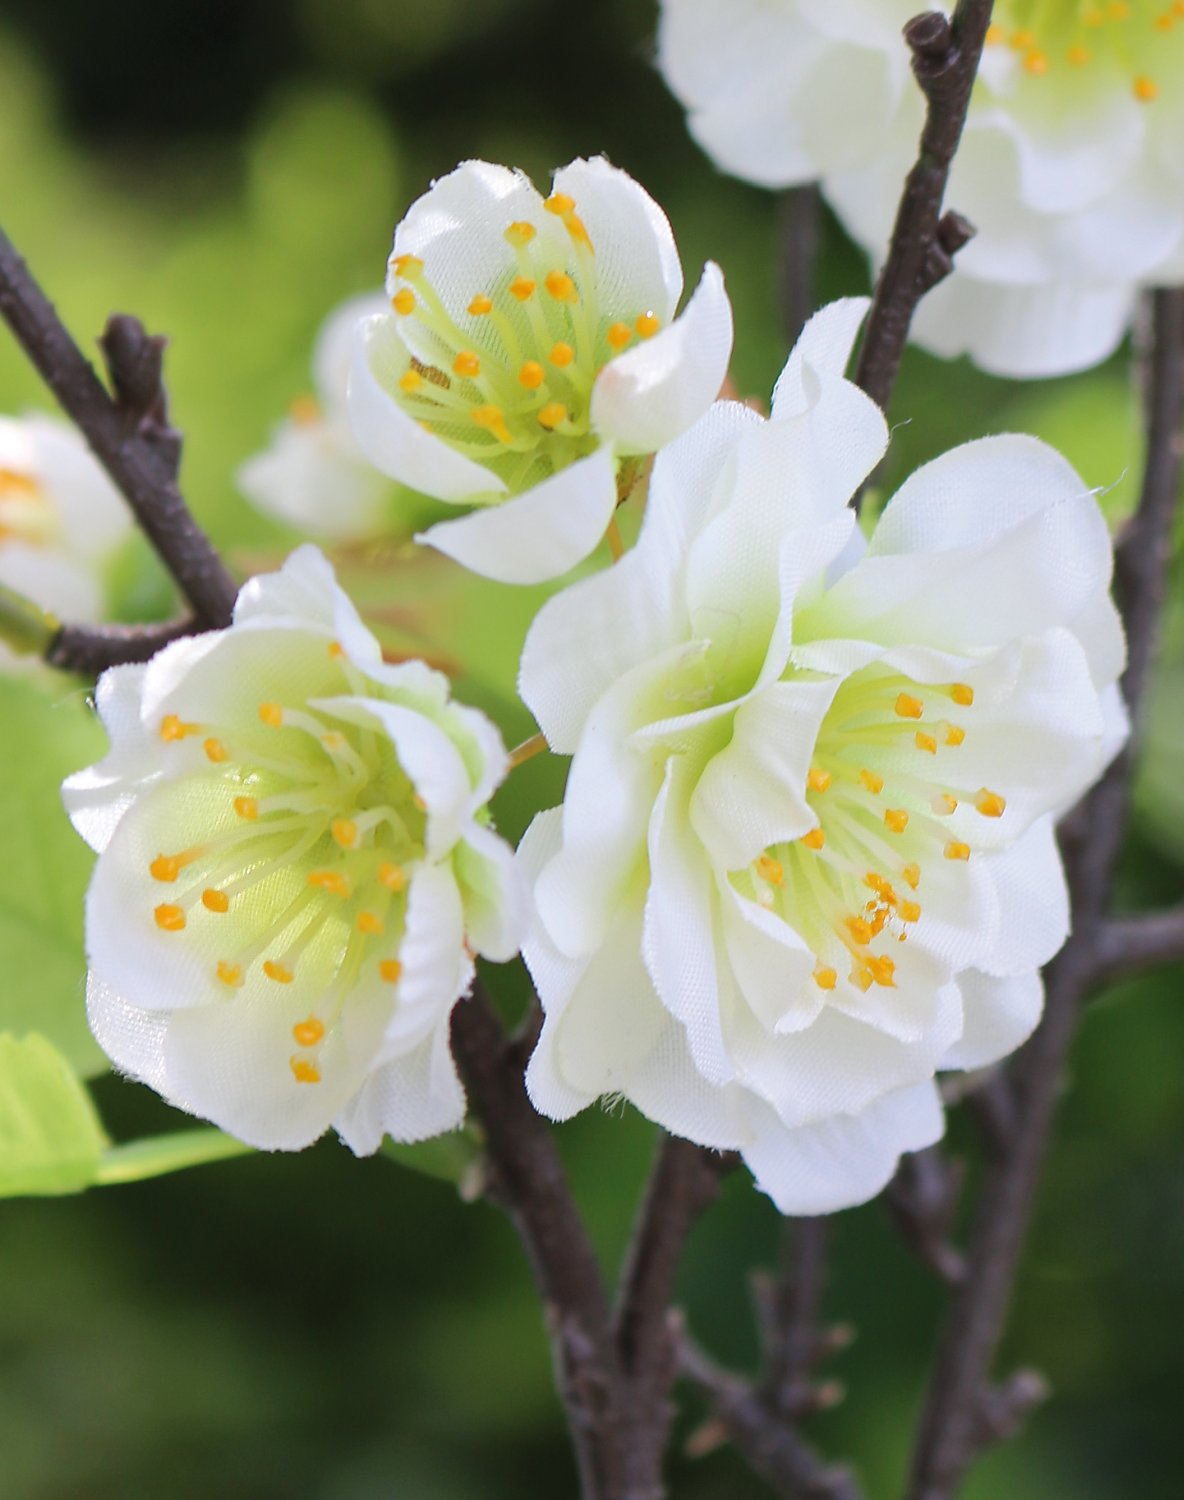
(806,856)
(314,475)
(61,519)
(294,871)
(1071,165)
(530,356)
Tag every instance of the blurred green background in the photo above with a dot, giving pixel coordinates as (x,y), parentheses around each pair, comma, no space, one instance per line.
(316,1326)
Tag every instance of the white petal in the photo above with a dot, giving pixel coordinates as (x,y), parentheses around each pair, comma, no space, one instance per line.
(845,1160)
(999,1014)
(495,900)
(394,442)
(411,1098)
(333,351)
(540,534)
(772,965)
(132,1038)
(1033,902)
(97,797)
(313,476)
(824,347)
(647,396)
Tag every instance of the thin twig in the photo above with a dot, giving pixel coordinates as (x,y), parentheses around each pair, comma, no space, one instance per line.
(798,215)
(91,649)
(128,433)
(793,1339)
(1130,945)
(770,1447)
(945,60)
(956,1421)
(922,1200)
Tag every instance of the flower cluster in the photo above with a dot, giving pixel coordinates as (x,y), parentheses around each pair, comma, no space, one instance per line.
(1070,164)
(294,870)
(806,855)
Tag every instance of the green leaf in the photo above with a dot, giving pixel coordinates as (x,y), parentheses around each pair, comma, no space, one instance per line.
(451,1158)
(50,1136)
(155,1155)
(46,731)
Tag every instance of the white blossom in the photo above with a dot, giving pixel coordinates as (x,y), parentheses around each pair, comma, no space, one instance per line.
(313,475)
(62,521)
(1070,166)
(294,870)
(806,857)
(531,352)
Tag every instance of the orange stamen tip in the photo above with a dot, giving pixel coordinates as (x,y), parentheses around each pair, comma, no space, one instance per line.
(392,877)
(304,410)
(345,832)
(169,918)
(521,288)
(407,265)
(873,783)
(995,35)
(860,930)
(955,734)
(410,381)
(559,203)
(825,978)
(247,807)
(491,419)
(947,804)
(911,874)
(908,707)
(926,742)
(277,971)
(1036,63)
(304,1071)
(955,849)
(217,901)
(962,693)
(390,969)
(173,728)
(552,415)
(480,305)
(308,1033)
(618,335)
(230,974)
(215,751)
(561,355)
(531,375)
(466,364)
(647,325)
(369,922)
(770,869)
(403,301)
(815,839)
(896,819)
(817,779)
(271,714)
(883,971)
(520,232)
(332,881)
(861,979)
(560,286)
(910,911)
(1145,89)
(990,804)
(336,650)
(165,867)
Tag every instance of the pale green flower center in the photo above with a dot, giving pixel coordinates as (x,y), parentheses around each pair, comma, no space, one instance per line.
(25,514)
(297,839)
(510,383)
(883,783)
(1060,38)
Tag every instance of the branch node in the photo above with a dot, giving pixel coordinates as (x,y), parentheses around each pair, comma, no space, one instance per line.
(930,38)
(922,1200)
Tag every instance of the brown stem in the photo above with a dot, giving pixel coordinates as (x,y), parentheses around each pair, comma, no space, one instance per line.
(1128,945)
(798,215)
(793,1337)
(129,434)
(955,1423)
(920,253)
(91,649)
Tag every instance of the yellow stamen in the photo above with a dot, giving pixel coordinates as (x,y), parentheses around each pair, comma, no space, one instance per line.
(770,869)
(392,877)
(860,930)
(344,831)
(230,974)
(308,1033)
(926,742)
(908,707)
(647,325)
(216,751)
(407,266)
(531,375)
(332,881)
(173,728)
(949,804)
(883,970)
(561,355)
(955,734)
(559,203)
(304,410)
(995,34)
(561,286)
(467,365)
(272,714)
(962,694)
(860,978)
(1023,39)
(1145,89)
(410,381)
(279,972)
(955,849)
(619,335)
(817,779)
(521,288)
(169,918)
(403,301)
(874,783)
(390,969)
(480,305)
(369,922)
(217,901)
(552,415)
(990,804)
(247,807)
(911,874)
(910,911)
(520,233)
(1036,63)
(166,867)
(1078,55)
(896,818)
(336,650)
(825,978)
(492,420)
(304,1071)
(815,839)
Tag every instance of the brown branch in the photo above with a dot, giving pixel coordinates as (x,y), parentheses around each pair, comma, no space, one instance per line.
(128,433)
(1129,945)
(798,214)
(945,61)
(955,1423)
(91,649)
(793,1339)
(770,1446)
(922,1200)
